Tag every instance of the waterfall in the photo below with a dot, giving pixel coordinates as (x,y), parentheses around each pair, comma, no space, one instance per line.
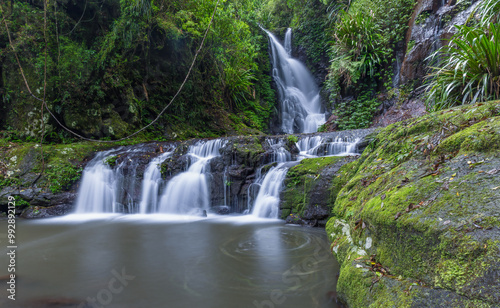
(297,91)
(342,146)
(107,190)
(288,41)
(97,192)
(111,181)
(188,192)
(308,146)
(280,154)
(267,201)
(151,184)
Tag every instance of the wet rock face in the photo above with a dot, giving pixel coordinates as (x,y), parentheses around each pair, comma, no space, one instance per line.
(433,22)
(45,212)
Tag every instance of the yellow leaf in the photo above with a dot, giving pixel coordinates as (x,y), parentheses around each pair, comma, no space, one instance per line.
(454,174)
(458,194)
(379,159)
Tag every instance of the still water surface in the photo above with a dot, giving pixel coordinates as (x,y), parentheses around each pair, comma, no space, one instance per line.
(169,261)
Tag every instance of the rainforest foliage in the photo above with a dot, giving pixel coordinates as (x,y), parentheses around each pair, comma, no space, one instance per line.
(111,66)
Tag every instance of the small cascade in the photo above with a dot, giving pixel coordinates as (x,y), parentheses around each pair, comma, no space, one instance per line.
(97,192)
(266,203)
(151,185)
(341,146)
(109,190)
(297,90)
(188,192)
(308,146)
(280,154)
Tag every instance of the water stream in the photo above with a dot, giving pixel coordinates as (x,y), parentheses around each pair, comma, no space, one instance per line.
(297,90)
(151,185)
(188,192)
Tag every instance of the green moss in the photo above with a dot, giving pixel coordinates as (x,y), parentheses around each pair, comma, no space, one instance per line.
(354,285)
(62,162)
(421,190)
(299,181)
(61,176)
(110,161)
(481,137)
(292,139)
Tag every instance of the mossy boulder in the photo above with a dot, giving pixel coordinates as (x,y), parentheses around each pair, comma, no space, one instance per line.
(307,194)
(418,222)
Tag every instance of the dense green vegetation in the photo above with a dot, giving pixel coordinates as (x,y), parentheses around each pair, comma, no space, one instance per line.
(469,69)
(365,36)
(112,67)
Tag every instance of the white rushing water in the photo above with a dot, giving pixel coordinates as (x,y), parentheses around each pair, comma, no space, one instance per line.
(340,146)
(267,201)
(308,146)
(151,184)
(97,192)
(188,192)
(297,91)
(116,189)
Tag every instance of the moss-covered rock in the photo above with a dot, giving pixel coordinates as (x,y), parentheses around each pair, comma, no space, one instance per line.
(307,192)
(422,201)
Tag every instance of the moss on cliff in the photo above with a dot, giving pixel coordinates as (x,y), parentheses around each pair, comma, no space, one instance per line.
(425,193)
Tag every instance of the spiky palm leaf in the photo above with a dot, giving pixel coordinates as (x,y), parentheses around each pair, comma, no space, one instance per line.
(470,70)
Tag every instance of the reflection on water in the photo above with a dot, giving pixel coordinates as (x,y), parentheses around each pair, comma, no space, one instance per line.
(170,261)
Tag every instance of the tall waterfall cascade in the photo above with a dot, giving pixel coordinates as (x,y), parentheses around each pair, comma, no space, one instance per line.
(297,90)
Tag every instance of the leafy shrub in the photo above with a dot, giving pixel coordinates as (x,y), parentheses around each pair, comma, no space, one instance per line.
(292,139)
(357,113)
(358,46)
(470,70)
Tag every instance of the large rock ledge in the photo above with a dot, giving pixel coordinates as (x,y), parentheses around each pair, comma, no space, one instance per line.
(416,220)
